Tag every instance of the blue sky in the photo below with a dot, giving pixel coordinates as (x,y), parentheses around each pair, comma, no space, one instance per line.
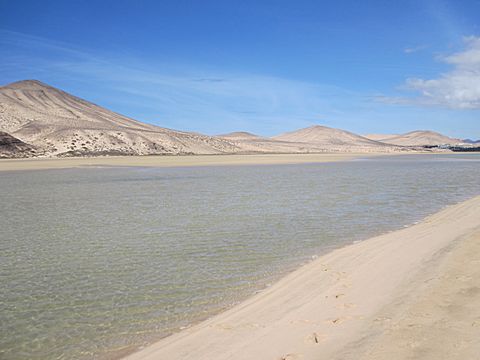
(260,66)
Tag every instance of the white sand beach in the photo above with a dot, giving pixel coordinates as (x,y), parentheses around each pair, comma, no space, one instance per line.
(408,294)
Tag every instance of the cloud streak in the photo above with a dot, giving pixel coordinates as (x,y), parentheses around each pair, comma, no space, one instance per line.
(182,96)
(414,49)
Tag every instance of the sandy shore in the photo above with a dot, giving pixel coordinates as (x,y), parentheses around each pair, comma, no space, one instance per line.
(173,161)
(408,294)
(437,316)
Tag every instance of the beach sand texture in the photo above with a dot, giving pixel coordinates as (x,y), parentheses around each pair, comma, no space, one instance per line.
(408,294)
(437,317)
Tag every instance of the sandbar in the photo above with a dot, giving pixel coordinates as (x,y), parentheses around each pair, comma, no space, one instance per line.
(173,160)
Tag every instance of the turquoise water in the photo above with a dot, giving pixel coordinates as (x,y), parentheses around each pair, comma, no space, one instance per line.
(96,262)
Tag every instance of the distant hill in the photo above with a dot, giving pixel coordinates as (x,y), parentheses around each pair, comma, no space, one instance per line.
(239,135)
(333,139)
(419,138)
(62,124)
(470,141)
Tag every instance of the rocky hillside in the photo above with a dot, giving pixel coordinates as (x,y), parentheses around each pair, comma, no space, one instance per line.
(11,147)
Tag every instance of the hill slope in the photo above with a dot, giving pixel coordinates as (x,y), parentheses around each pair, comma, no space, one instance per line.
(420,138)
(334,139)
(62,124)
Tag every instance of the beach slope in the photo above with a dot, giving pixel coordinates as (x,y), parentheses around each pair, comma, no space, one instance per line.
(411,292)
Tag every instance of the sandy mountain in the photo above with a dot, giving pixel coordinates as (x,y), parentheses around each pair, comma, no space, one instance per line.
(421,138)
(13,147)
(335,140)
(62,124)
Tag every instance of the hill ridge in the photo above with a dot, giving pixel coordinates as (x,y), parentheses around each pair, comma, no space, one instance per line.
(320,134)
(418,138)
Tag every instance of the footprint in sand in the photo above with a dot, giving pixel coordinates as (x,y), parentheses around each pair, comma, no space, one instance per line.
(338,320)
(463,278)
(336,296)
(315,338)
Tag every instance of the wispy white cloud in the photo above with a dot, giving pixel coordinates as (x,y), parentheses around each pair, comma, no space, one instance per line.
(458,88)
(183,96)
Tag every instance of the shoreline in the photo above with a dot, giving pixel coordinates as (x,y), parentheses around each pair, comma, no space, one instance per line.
(330,305)
(178,161)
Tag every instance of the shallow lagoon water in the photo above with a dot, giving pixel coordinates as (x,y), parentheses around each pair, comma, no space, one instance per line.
(95,262)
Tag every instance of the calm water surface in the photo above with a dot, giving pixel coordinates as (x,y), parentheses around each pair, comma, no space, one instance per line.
(96,262)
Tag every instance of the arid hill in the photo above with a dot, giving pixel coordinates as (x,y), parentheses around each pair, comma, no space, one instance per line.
(418,138)
(335,140)
(61,124)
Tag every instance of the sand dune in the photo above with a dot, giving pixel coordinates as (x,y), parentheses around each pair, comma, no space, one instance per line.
(330,307)
(416,138)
